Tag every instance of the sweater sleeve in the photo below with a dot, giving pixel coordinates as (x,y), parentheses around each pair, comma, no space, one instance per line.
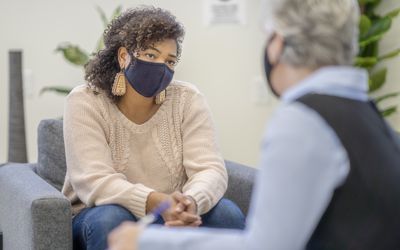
(204,165)
(89,162)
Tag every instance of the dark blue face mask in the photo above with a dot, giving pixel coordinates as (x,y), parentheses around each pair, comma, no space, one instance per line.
(268,67)
(148,78)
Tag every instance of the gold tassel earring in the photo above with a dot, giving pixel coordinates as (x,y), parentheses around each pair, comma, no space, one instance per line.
(160,98)
(119,85)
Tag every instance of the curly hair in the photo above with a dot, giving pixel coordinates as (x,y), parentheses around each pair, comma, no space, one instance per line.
(135,29)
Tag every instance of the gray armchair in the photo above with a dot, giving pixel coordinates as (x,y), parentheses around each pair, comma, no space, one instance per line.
(35,215)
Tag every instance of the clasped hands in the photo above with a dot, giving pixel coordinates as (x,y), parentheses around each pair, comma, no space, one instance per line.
(183,210)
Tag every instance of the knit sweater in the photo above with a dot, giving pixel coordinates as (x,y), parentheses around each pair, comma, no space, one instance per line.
(112,160)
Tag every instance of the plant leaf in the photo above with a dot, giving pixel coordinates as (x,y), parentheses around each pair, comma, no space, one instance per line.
(367,1)
(365,25)
(371,50)
(387,96)
(378,28)
(365,62)
(117,12)
(102,16)
(371,5)
(100,44)
(370,40)
(377,80)
(389,55)
(389,111)
(57,89)
(394,13)
(73,54)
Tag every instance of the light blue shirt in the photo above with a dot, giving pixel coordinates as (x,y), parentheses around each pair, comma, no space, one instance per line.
(302,163)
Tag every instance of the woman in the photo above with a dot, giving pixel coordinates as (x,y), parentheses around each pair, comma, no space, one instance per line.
(135,138)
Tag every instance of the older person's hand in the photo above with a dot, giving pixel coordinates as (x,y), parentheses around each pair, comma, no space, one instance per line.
(124,237)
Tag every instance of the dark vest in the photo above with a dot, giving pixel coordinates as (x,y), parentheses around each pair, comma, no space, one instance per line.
(364,212)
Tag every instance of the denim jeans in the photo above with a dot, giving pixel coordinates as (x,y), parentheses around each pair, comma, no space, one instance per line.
(92,225)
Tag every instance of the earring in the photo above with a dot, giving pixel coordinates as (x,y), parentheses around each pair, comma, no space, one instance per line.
(119,85)
(160,98)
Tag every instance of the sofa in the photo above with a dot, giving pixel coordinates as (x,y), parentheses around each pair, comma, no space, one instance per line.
(34,214)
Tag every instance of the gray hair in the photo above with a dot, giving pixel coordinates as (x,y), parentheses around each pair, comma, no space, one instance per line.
(316,32)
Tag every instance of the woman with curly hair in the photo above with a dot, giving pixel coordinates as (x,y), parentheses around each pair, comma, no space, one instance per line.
(135,138)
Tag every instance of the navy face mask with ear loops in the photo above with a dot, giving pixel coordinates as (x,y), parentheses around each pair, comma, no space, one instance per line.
(268,67)
(148,78)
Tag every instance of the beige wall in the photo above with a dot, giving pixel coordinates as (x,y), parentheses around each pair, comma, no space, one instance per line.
(223,61)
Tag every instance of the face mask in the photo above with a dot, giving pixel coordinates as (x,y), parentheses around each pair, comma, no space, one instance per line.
(268,67)
(148,78)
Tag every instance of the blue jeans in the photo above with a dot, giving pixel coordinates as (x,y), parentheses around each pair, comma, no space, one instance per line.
(92,225)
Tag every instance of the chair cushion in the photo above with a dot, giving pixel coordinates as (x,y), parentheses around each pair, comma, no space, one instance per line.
(51,152)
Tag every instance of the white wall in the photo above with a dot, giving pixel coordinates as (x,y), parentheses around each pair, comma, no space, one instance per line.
(224,62)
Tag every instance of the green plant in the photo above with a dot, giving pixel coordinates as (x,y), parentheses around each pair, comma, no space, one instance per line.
(77,56)
(372,29)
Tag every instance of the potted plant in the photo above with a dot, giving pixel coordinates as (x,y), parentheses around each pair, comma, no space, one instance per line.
(75,55)
(373,27)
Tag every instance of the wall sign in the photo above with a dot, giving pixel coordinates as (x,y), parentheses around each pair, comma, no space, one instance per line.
(224,12)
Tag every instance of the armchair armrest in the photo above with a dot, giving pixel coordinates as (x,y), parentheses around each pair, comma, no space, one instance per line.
(240,185)
(33,214)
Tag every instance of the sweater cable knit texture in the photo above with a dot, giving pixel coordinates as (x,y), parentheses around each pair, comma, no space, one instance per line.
(112,160)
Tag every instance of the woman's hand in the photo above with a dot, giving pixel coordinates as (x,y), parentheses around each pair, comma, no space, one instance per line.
(124,237)
(154,199)
(184,212)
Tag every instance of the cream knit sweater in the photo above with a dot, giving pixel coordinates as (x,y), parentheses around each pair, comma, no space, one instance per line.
(111,160)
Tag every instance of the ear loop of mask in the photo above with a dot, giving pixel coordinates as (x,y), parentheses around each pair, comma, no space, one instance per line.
(268,66)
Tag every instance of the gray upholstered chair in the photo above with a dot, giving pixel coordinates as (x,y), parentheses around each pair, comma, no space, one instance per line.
(35,215)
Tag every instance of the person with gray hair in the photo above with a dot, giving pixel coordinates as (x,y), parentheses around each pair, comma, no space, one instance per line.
(329,163)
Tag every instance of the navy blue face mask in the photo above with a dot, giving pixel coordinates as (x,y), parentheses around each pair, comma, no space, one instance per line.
(268,67)
(148,78)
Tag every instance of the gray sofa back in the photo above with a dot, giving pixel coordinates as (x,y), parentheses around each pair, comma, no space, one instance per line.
(51,152)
